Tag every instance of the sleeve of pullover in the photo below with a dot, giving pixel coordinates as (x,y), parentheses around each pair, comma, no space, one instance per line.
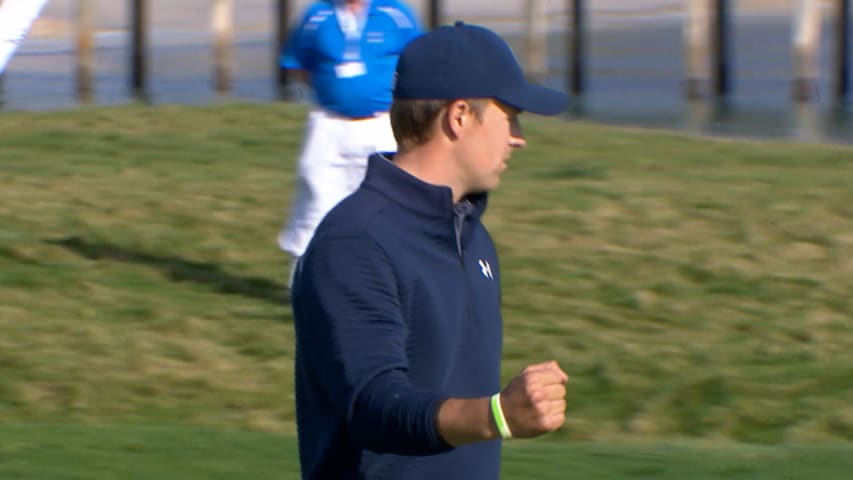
(296,51)
(352,335)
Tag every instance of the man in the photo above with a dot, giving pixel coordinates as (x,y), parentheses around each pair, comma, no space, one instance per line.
(347,50)
(397,299)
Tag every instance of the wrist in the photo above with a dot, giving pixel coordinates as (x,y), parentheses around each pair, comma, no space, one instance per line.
(466,420)
(498,418)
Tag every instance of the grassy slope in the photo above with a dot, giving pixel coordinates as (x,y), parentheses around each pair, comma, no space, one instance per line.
(693,288)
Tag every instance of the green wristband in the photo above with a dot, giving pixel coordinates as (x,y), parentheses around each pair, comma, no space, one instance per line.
(498,416)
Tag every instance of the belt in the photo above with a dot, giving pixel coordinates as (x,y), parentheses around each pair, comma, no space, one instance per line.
(338,116)
(363,118)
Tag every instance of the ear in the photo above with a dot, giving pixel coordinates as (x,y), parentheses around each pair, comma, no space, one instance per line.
(456,118)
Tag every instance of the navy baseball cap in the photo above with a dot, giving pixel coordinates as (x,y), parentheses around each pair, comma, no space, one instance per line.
(469,61)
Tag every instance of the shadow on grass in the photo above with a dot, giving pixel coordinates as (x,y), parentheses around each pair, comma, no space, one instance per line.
(180,270)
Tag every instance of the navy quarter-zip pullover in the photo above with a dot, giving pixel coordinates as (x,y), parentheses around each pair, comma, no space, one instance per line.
(397,308)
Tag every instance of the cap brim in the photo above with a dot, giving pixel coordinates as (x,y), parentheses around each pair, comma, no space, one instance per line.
(536,99)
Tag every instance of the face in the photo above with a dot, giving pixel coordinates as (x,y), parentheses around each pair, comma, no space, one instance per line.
(487,145)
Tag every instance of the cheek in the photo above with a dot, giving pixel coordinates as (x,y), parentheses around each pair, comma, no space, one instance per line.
(501,134)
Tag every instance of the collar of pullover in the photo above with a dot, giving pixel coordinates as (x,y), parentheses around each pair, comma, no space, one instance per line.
(414,194)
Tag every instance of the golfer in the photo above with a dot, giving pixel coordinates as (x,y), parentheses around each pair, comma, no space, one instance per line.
(397,298)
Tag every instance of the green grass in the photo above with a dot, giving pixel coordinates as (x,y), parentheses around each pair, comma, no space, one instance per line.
(51,452)
(696,290)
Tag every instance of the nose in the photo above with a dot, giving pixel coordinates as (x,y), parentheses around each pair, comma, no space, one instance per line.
(516,136)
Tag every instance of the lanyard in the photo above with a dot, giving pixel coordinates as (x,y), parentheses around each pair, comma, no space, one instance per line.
(352,26)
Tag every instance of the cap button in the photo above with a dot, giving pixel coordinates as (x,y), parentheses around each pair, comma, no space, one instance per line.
(459,23)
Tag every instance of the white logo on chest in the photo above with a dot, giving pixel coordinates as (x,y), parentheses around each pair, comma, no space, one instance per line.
(486,269)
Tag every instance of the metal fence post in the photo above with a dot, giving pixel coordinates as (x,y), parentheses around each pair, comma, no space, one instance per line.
(282,33)
(138,57)
(576,47)
(434,14)
(842,74)
(722,54)
(84,51)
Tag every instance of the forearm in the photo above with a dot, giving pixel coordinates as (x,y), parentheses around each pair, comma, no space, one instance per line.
(390,416)
(300,75)
(403,425)
(466,420)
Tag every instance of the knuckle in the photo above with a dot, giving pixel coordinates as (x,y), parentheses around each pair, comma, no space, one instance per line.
(557,422)
(535,397)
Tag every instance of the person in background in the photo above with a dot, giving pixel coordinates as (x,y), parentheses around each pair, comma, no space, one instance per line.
(396,301)
(346,50)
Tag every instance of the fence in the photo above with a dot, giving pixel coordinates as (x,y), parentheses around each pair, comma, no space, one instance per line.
(706,43)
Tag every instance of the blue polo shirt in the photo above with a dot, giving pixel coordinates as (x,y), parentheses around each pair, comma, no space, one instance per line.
(351,75)
(396,307)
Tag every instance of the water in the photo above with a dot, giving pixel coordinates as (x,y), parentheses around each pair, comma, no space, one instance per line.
(41,77)
(635,78)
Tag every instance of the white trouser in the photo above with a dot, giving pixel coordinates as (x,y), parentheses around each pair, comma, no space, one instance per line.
(331,166)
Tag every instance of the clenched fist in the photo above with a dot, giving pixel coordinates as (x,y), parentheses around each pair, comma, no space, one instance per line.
(534,402)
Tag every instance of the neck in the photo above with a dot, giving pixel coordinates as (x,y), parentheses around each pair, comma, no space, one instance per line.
(431,163)
(354,5)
